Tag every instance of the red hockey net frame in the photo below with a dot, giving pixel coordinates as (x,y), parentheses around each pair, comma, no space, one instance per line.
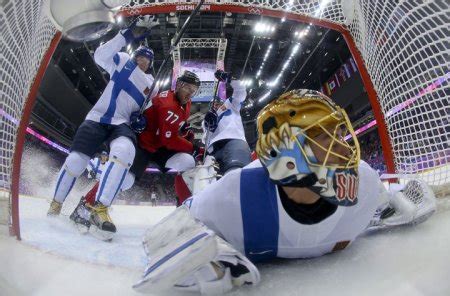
(331,17)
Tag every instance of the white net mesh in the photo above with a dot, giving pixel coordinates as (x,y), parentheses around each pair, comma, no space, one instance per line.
(406,49)
(404,45)
(25,36)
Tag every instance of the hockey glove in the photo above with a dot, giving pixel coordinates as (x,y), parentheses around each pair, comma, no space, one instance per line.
(211,120)
(198,152)
(139,29)
(138,122)
(187,132)
(223,76)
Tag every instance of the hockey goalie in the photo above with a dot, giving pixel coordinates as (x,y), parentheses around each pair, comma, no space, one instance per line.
(309,194)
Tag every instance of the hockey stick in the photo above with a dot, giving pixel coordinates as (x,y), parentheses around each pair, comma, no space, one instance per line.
(208,132)
(172,48)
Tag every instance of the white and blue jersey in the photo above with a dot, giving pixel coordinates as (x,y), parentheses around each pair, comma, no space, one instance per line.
(230,122)
(96,166)
(127,88)
(244,207)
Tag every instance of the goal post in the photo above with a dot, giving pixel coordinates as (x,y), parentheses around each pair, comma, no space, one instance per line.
(28,39)
(401,50)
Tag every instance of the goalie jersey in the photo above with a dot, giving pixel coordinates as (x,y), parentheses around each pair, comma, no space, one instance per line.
(128,86)
(244,207)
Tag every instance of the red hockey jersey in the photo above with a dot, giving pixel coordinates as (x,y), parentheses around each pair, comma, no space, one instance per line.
(165,116)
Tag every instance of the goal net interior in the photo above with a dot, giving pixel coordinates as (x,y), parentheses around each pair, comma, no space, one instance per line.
(404,46)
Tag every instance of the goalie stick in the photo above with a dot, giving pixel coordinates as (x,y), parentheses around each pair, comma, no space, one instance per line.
(172,48)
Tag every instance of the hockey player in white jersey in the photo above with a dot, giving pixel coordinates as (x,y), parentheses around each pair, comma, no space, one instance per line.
(307,195)
(109,121)
(96,166)
(224,135)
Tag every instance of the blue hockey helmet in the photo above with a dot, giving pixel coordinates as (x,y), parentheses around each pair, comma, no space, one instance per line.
(144,51)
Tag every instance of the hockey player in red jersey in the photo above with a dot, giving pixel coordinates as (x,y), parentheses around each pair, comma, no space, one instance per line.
(161,140)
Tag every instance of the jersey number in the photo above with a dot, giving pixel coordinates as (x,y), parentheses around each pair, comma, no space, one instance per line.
(170,114)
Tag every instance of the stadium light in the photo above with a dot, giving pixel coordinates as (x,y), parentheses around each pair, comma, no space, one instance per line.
(266,55)
(265,96)
(286,64)
(247,82)
(264,28)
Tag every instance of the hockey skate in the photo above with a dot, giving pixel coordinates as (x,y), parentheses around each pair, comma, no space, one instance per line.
(80,216)
(55,208)
(102,226)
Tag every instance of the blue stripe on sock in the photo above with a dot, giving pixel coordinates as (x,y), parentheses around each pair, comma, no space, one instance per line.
(59,182)
(70,188)
(104,180)
(120,184)
(173,253)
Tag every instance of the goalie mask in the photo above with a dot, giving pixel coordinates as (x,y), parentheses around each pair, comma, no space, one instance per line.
(301,144)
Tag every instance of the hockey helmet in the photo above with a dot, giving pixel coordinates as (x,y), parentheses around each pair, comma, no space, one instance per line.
(188,84)
(144,51)
(301,144)
(189,77)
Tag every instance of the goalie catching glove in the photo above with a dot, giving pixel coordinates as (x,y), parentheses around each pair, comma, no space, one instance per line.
(186,255)
(413,204)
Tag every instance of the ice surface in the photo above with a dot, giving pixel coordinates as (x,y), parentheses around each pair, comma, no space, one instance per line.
(54,259)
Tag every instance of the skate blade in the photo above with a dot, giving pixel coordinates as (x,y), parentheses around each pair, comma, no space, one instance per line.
(106,236)
(82,229)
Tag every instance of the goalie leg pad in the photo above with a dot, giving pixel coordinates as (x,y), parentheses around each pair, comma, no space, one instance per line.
(201,176)
(229,269)
(177,246)
(180,162)
(243,271)
(210,279)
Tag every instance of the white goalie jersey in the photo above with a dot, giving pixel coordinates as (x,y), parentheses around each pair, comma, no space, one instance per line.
(244,207)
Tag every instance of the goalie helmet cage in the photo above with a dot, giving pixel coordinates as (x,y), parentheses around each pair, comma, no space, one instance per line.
(401,50)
